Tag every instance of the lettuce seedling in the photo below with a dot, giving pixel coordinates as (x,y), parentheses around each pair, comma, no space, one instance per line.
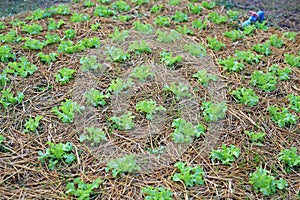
(89,63)
(213,111)
(66,110)
(275,41)
(32,124)
(6,54)
(124,122)
(184,30)
(118,85)
(208,5)
(53,25)
(121,6)
(156,8)
(197,50)
(148,107)
(292,60)
(231,65)
(199,24)
(103,11)
(82,190)
(248,57)
(294,102)
(203,77)
(226,154)
(143,28)
(33,29)
(234,35)
(57,153)
(289,157)
(282,74)
(256,137)
(142,73)
(159,193)
(168,37)
(119,36)
(216,18)
(64,75)
(180,90)
(96,98)
(263,48)
(214,44)
(265,183)
(180,17)
(168,59)
(62,9)
(195,9)
(33,44)
(265,81)
(162,21)
(8,98)
(52,38)
(51,57)
(245,96)
(23,68)
(282,118)
(190,176)
(116,54)
(79,17)
(95,135)
(140,47)
(125,164)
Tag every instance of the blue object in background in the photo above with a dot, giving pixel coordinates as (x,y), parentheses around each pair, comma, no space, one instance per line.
(261,16)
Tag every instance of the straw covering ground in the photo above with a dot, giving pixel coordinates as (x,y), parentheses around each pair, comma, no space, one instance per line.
(147,100)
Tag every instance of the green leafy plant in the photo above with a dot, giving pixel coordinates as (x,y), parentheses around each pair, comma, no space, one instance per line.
(103,11)
(159,193)
(40,14)
(64,75)
(234,35)
(213,111)
(33,29)
(162,21)
(82,190)
(62,9)
(95,135)
(184,131)
(16,22)
(6,54)
(79,17)
(265,183)
(264,81)
(275,41)
(197,50)
(53,25)
(3,78)
(174,2)
(139,2)
(199,24)
(89,3)
(116,86)
(290,35)
(23,68)
(256,137)
(214,44)
(92,42)
(148,107)
(190,176)
(248,30)
(203,77)
(292,60)
(262,26)
(33,44)
(142,72)
(8,98)
(289,157)
(32,124)
(142,28)
(245,96)
(66,110)
(96,98)
(294,102)
(89,63)
(233,15)
(2,26)
(282,118)
(116,54)
(282,74)
(52,39)
(208,5)
(247,56)
(180,90)
(231,65)
(140,47)
(156,8)
(57,153)
(119,36)
(70,33)
(263,48)
(167,37)
(184,30)
(121,6)
(218,19)
(195,9)
(180,17)
(95,26)
(125,164)
(51,57)
(168,59)
(226,154)
(68,47)
(10,37)
(124,122)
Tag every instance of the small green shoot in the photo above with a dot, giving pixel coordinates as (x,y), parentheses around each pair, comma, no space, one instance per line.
(116,54)
(159,193)
(214,44)
(118,85)
(78,17)
(203,77)
(218,19)
(256,137)
(248,57)
(32,124)
(290,35)
(82,190)
(168,59)
(282,118)
(125,164)
(245,96)
(179,90)
(6,54)
(208,5)
(143,28)
(124,122)
(264,81)
(89,63)
(53,25)
(33,29)
(94,135)
(226,154)
(180,17)
(289,157)
(199,24)
(282,74)
(23,68)
(33,44)
(142,73)
(70,33)
(168,37)
(231,65)
(66,110)
(148,107)
(57,153)
(64,75)
(8,98)
(184,131)
(51,57)
(188,175)
(294,102)
(119,36)
(265,183)
(139,47)
(96,98)
(275,41)
(213,111)
(292,60)
(263,48)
